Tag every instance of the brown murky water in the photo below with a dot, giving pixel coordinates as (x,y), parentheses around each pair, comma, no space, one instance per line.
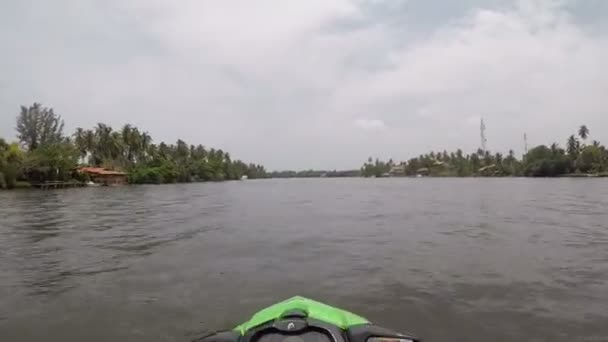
(447,259)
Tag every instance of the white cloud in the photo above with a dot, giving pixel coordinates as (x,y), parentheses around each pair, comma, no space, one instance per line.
(370,124)
(272,81)
(525,69)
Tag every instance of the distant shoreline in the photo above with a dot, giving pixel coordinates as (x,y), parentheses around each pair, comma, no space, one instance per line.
(27,186)
(602,175)
(584,157)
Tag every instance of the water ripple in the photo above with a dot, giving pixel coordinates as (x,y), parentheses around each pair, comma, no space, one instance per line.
(450,259)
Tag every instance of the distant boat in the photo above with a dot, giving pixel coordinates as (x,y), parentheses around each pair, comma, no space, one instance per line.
(90,183)
(244,177)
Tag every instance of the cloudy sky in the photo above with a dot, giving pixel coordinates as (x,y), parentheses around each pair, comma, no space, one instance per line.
(313,83)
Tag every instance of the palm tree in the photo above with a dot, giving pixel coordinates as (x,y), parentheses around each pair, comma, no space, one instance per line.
(510,161)
(145,142)
(583,132)
(181,150)
(487,158)
(192,151)
(133,143)
(200,153)
(90,141)
(498,158)
(81,142)
(127,140)
(572,146)
(164,150)
(109,147)
(554,148)
(475,164)
(116,148)
(102,147)
(136,143)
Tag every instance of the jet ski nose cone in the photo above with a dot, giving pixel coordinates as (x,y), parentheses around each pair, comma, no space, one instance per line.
(295,313)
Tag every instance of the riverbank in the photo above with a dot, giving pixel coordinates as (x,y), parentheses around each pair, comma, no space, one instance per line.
(19,186)
(580,158)
(45,154)
(587,175)
(65,185)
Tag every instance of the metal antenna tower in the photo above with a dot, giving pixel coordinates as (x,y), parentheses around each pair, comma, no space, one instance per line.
(482,129)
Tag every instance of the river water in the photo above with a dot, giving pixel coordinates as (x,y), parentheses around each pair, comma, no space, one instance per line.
(447,259)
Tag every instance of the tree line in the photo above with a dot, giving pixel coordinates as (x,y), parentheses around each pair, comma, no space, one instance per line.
(580,157)
(44,153)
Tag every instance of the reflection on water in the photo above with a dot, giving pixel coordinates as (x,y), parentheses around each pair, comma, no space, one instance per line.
(449,259)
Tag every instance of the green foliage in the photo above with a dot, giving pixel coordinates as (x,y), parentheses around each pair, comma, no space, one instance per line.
(377,168)
(38,126)
(11,163)
(591,160)
(182,163)
(458,164)
(50,156)
(153,175)
(54,162)
(573,146)
(541,161)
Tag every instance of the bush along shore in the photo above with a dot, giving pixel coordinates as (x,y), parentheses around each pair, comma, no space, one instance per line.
(43,153)
(581,157)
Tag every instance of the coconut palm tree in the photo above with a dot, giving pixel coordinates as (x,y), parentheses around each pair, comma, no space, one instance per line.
(554,148)
(102,148)
(90,141)
(572,146)
(80,140)
(583,132)
(145,141)
(116,149)
(131,141)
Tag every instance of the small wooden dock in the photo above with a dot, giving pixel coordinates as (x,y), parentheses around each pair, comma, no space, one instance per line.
(58,185)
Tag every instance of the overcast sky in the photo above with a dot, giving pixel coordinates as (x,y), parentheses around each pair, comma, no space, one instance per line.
(296,84)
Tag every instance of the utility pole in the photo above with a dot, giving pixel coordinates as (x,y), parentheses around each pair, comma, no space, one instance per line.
(525,144)
(482,129)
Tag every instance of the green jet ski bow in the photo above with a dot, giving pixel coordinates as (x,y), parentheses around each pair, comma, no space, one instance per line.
(299,319)
(313,309)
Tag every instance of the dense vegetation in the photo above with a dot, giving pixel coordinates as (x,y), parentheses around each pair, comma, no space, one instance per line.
(578,158)
(44,153)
